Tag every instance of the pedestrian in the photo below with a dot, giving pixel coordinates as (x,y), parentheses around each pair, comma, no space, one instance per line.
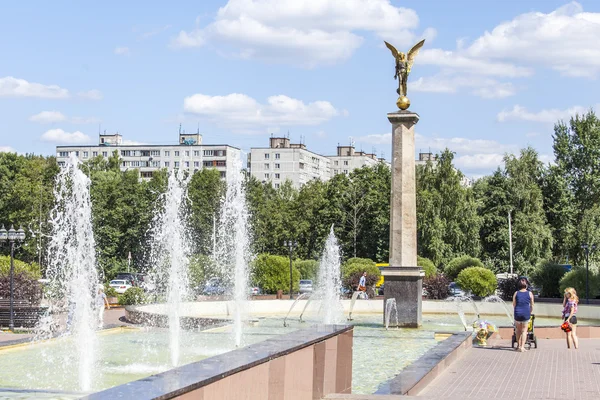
(523,305)
(570,301)
(362,285)
(101,300)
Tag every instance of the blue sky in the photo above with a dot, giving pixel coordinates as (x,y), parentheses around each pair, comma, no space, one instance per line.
(492,77)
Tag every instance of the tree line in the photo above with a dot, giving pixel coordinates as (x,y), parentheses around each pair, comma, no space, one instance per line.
(554,208)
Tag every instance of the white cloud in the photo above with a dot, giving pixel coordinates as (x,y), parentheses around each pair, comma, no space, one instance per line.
(7,149)
(122,51)
(93,94)
(478,162)
(154,32)
(60,136)
(240,111)
(306,33)
(565,39)
(383,138)
(546,116)
(48,117)
(132,143)
(14,87)
(450,83)
(465,64)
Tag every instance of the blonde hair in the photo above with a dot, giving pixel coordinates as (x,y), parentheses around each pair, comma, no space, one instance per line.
(571,291)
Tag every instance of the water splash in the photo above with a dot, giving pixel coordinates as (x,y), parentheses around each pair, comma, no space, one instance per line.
(72,269)
(496,299)
(170,249)
(329,284)
(390,309)
(233,245)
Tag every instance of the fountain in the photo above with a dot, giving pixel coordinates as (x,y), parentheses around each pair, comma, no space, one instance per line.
(459,300)
(72,267)
(329,283)
(170,248)
(233,245)
(496,299)
(390,306)
(302,296)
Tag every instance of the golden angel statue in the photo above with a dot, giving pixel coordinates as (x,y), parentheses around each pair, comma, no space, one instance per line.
(404,63)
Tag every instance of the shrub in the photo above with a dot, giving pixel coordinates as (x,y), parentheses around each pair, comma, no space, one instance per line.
(576,279)
(456,265)
(24,287)
(272,273)
(353,269)
(508,287)
(110,291)
(478,280)
(308,268)
(547,278)
(133,295)
(428,266)
(31,270)
(436,286)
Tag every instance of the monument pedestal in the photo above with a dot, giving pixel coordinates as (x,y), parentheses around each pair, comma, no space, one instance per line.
(403,278)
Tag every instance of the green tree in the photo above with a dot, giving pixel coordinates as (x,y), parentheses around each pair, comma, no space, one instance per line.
(272,273)
(205,192)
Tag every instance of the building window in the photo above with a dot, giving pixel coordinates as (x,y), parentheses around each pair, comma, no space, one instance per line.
(146,174)
(156,164)
(187,153)
(277,186)
(346,171)
(125,153)
(167,163)
(277,156)
(223,174)
(61,163)
(277,166)
(196,164)
(176,164)
(76,154)
(86,154)
(167,153)
(124,163)
(208,153)
(266,165)
(135,163)
(276,176)
(155,152)
(95,154)
(196,153)
(335,163)
(221,163)
(220,153)
(104,154)
(187,164)
(266,156)
(145,153)
(176,153)
(63,154)
(301,165)
(345,162)
(207,163)
(266,176)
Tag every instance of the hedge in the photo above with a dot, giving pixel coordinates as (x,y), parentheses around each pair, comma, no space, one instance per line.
(456,265)
(547,277)
(272,273)
(428,266)
(477,280)
(576,279)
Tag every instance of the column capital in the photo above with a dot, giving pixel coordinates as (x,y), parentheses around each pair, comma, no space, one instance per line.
(403,116)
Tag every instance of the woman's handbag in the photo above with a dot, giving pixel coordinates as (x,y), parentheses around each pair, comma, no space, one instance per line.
(566,327)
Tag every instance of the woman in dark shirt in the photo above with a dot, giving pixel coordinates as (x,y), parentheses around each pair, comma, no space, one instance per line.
(523,304)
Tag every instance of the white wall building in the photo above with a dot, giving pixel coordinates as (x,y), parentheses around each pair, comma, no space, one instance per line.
(348,159)
(190,154)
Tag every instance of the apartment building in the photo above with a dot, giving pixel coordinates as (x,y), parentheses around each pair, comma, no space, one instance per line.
(348,159)
(190,154)
(284,160)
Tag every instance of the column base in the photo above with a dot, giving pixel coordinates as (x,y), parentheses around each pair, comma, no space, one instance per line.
(405,284)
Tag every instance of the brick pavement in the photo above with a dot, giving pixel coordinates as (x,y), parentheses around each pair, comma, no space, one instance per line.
(549,372)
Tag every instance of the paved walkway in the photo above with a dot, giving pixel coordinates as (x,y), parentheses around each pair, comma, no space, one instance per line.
(549,372)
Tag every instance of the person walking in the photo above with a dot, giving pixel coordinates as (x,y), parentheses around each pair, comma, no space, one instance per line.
(362,285)
(101,300)
(570,301)
(523,306)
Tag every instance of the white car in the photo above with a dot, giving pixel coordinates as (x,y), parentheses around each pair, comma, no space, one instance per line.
(120,286)
(306,286)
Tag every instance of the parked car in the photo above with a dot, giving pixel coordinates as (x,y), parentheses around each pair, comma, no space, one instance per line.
(215,287)
(255,291)
(306,286)
(120,285)
(456,290)
(135,278)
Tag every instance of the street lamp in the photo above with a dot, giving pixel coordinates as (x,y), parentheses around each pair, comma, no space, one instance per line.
(11,236)
(291,245)
(586,248)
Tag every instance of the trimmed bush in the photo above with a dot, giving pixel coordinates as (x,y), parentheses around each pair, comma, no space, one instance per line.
(576,279)
(547,277)
(110,291)
(31,270)
(508,287)
(456,265)
(133,295)
(272,273)
(24,287)
(477,280)
(436,286)
(308,268)
(428,266)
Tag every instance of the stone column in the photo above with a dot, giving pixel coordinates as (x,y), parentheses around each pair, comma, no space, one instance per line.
(403,278)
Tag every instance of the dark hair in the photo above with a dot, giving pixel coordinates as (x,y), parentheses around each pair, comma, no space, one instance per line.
(522,283)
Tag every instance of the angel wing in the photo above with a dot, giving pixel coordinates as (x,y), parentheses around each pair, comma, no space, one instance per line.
(412,53)
(392,48)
